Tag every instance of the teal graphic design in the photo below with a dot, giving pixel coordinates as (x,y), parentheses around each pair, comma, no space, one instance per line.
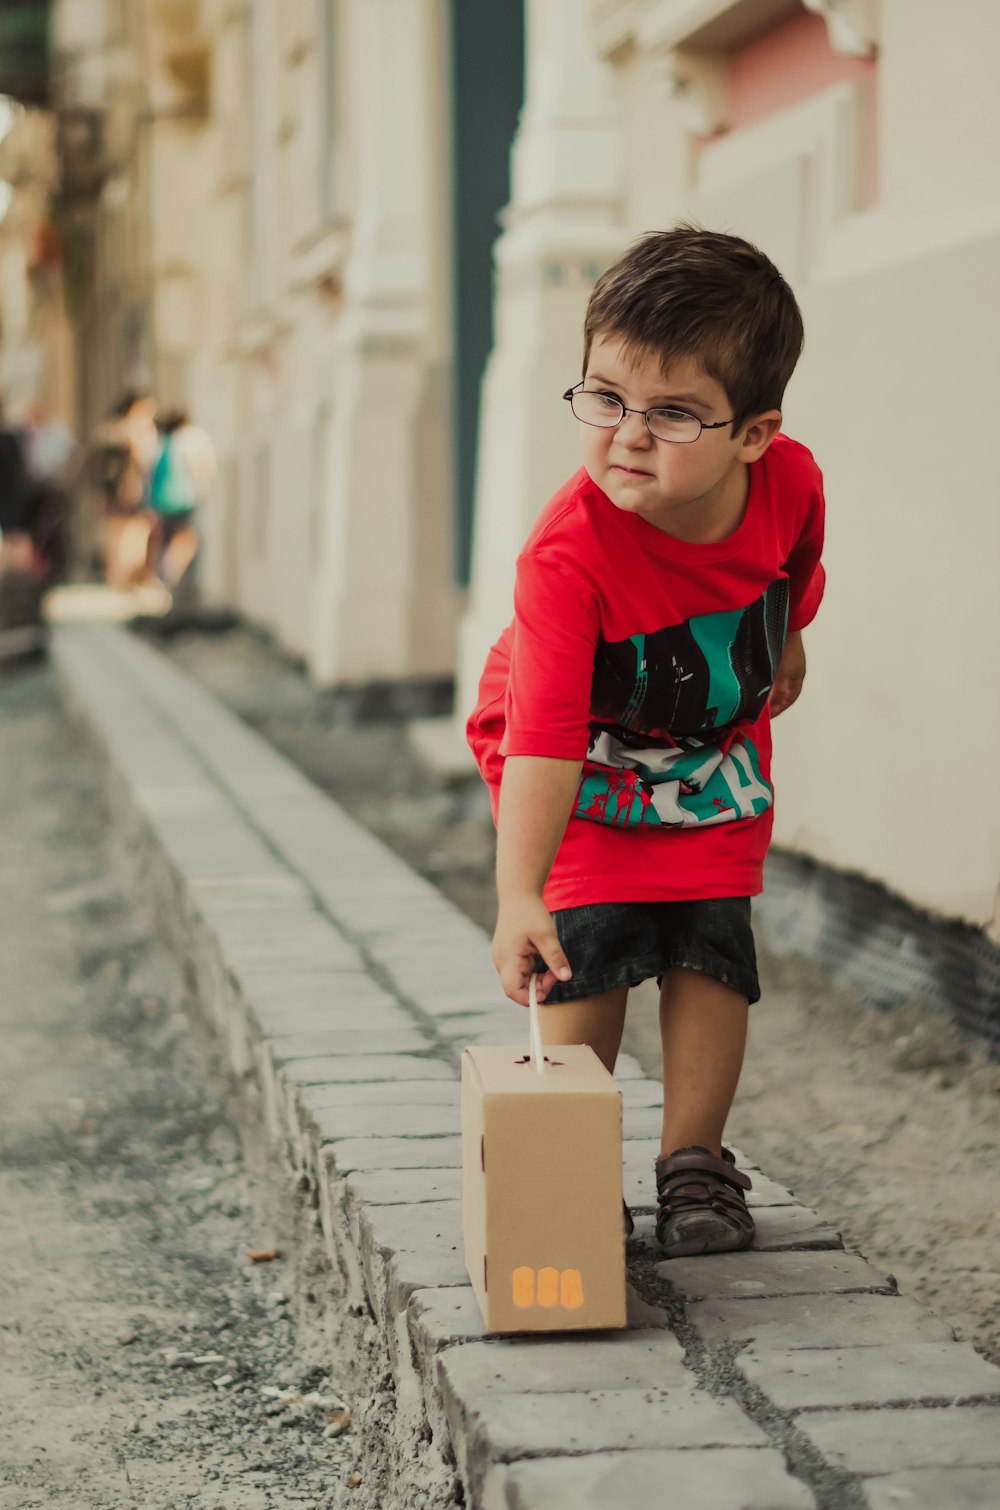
(671,711)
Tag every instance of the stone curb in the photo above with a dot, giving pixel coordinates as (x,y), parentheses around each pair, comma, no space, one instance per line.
(792,1375)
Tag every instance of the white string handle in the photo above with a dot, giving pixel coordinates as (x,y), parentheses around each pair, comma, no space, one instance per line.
(534,1027)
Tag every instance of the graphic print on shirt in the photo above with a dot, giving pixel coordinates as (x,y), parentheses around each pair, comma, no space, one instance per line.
(667,713)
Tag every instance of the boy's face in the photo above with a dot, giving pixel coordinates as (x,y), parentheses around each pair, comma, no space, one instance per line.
(695,490)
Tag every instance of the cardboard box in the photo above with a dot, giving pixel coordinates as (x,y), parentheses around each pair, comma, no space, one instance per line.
(542,1190)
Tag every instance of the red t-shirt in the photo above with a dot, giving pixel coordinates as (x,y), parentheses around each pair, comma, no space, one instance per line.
(650,659)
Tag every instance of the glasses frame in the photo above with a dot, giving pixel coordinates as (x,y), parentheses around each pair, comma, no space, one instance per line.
(717,424)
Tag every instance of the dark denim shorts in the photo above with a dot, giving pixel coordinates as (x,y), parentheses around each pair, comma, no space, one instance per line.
(611,944)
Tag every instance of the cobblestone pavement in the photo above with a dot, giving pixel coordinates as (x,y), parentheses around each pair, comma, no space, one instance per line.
(887,1124)
(136,1336)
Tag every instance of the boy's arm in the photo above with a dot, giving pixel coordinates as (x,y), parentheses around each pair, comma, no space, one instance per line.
(536,798)
(790,674)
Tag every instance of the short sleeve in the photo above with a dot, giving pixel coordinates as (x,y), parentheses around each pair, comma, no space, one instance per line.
(806,576)
(555,634)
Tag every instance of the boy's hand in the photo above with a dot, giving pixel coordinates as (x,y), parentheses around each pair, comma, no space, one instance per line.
(790,675)
(524,929)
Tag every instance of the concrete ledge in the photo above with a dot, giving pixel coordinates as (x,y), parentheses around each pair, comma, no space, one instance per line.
(786,1377)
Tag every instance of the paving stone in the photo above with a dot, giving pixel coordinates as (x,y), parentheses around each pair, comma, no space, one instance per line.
(585,1361)
(767,1192)
(638,1177)
(792,1227)
(486,1028)
(641,1123)
(730,1478)
(440,1318)
(413,939)
(385,1121)
(320,991)
(411,1248)
(398,1153)
(817,1321)
(936,1489)
(219,901)
(444,995)
(291,1020)
(887,1441)
(443,1317)
(804,1378)
(463,1027)
(403,1187)
(302,949)
(643,1093)
(399,1093)
(627,1068)
(327,1069)
(507,1427)
(348,1042)
(746,1274)
(298,922)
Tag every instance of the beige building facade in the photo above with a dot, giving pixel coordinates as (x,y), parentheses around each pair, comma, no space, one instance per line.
(273,232)
(36,347)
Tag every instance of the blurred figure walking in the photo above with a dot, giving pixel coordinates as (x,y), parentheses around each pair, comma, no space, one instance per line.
(121,466)
(180,484)
(51,454)
(22,572)
(16,550)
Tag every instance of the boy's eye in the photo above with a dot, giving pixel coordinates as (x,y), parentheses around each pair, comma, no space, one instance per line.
(675,416)
(611,400)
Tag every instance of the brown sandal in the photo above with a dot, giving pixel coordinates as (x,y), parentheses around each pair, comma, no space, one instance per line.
(702,1208)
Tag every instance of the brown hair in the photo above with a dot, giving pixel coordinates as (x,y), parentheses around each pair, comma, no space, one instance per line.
(702,294)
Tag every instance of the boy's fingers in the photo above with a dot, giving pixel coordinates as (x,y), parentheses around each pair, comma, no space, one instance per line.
(783,695)
(550,949)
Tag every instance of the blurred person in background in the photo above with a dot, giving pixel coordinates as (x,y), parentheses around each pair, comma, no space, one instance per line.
(16,549)
(121,464)
(23,571)
(180,484)
(51,455)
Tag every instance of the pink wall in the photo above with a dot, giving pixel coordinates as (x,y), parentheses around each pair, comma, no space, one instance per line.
(788,64)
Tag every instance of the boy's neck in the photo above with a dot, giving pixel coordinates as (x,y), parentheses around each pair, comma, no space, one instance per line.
(713,517)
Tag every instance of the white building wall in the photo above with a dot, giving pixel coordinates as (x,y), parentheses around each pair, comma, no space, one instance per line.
(341,332)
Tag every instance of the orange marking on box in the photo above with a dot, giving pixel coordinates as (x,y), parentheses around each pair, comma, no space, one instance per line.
(548,1287)
(571,1290)
(524,1287)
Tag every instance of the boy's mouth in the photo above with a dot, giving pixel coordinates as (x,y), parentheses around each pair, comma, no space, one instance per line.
(630,471)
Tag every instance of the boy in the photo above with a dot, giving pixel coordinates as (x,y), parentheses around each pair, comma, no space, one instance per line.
(659,606)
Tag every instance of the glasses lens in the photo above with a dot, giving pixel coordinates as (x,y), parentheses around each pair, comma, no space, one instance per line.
(597,408)
(674,424)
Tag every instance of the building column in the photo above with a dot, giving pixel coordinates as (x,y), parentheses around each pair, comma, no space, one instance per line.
(384,601)
(561,229)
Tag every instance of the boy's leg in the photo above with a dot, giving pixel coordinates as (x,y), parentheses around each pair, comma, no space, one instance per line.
(703,1028)
(597,1020)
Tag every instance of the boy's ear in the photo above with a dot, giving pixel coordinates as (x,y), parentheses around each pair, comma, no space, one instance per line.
(758,434)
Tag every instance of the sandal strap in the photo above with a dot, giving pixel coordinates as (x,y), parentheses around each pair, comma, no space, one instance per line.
(698,1161)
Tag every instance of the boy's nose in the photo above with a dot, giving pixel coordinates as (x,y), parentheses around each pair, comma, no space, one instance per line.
(632,431)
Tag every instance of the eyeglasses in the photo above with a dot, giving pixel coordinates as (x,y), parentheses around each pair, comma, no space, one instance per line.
(606,411)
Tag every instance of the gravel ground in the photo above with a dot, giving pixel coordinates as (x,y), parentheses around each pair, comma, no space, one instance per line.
(147,1362)
(885,1122)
